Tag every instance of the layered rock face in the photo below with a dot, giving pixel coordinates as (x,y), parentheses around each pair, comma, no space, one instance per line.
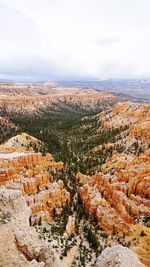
(31,173)
(118,256)
(21,244)
(134,117)
(125,114)
(55,100)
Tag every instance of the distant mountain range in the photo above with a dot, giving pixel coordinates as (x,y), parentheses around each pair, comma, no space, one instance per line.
(137,90)
(126,89)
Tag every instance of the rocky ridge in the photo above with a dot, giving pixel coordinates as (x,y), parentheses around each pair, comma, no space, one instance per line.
(60,99)
(22,245)
(133,119)
(124,114)
(20,143)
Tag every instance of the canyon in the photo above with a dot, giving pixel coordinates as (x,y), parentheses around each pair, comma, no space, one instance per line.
(92,193)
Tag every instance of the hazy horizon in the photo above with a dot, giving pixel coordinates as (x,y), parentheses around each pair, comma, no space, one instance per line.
(71,80)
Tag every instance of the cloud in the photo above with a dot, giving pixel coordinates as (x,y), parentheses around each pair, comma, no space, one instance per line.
(108,41)
(74,39)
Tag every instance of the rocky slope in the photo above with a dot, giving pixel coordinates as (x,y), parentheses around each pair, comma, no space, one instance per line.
(117,199)
(133,118)
(20,143)
(32,174)
(56,100)
(21,244)
(7,129)
(119,196)
(118,256)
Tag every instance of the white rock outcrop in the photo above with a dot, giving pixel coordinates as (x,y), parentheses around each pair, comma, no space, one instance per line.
(118,256)
(21,244)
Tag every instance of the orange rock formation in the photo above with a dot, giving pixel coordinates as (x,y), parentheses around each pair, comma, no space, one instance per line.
(134,115)
(25,104)
(32,174)
(117,199)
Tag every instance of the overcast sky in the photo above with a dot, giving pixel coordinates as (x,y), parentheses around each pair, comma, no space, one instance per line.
(74,39)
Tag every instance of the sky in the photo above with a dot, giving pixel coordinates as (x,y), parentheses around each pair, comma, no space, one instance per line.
(74,39)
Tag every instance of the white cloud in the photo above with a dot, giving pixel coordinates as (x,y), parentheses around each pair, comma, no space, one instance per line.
(54,39)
